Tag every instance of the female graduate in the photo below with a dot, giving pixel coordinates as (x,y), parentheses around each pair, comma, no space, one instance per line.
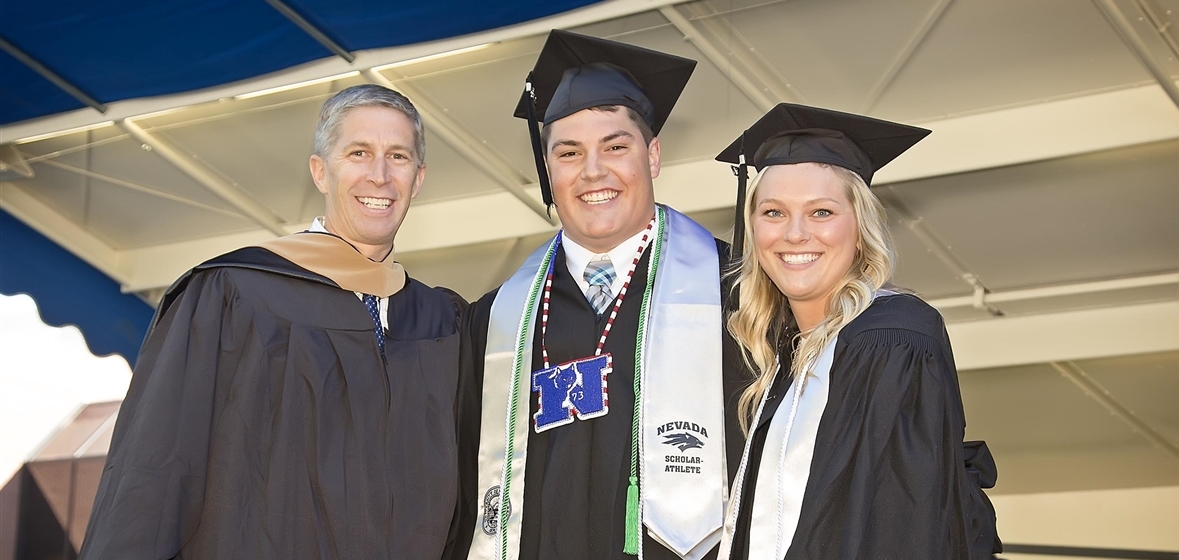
(854,420)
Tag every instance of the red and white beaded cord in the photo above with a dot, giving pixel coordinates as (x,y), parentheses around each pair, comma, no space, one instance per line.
(548,288)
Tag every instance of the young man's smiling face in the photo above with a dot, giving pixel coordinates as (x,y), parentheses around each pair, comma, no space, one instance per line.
(601,171)
(369,177)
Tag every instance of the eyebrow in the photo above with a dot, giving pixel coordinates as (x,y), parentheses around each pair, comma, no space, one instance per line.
(605,139)
(617,135)
(808,202)
(368,146)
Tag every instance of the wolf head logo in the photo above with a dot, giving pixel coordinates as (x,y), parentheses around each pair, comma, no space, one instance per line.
(684,441)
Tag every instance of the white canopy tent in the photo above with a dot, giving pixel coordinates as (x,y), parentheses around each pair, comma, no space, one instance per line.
(1039,217)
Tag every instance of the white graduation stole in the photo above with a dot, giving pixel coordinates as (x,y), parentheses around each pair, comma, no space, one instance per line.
(683,486)
(785,463)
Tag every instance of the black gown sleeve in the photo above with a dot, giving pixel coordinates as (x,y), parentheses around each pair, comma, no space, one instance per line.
(736,375)
(468,419)
(152,488)
(888,478)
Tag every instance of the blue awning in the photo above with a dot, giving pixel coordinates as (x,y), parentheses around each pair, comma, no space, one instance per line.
(69,291)
(112,51)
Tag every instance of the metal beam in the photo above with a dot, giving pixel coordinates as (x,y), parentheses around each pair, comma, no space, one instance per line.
(931,18)
(1163,22)
(13,164)
(311,30)
(1122,25)
(465,143)
(718,59)
(1062,290)
(1089,552)
(139,188)
(50,75)
(940,249)
(251,208)
(1061,336)
(1094,390)
(720,31)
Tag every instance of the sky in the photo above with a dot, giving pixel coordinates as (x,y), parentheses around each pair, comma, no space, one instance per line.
(46,375)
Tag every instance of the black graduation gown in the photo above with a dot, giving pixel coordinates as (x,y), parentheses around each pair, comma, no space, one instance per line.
(890,477)
(261,423)
(577,474)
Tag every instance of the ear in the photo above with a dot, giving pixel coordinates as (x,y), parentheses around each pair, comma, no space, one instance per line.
(318,169)
(653,157)
(417,182)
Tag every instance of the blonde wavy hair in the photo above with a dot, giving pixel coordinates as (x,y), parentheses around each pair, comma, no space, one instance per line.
(763,319)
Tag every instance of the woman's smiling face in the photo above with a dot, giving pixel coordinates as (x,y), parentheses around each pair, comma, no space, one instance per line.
(805,232)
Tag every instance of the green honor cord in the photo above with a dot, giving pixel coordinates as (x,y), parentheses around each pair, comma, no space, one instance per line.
(634,524)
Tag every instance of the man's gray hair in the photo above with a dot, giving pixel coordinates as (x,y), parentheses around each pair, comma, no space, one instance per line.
(327,131)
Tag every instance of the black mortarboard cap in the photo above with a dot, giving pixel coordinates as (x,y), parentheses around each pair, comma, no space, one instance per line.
(576,72)
(791,133)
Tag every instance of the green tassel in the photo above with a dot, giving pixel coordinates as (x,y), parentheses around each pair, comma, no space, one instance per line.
(631,544)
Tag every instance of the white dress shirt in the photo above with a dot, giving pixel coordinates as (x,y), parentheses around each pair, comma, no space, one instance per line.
(577,257)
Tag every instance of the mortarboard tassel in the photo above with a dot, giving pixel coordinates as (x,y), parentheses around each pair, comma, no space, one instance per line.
(542,172)
(630,543)
(738,247)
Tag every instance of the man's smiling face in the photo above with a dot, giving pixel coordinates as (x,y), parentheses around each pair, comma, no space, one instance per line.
(369,177)
(602,172)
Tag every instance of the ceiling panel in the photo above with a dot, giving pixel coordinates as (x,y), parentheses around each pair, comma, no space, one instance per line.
(918,268)
(449,175)
(1034,407)
(63,191)
(1047,435)
(263,153)
(126,219)
(994,53)
(718,222)
(127,160)
(1146,384)
(819,47)
(481,97)
(1101,467)
(68,143)
(1091,217)
(621,29)
(710,112)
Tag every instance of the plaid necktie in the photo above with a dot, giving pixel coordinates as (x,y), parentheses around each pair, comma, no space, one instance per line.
(600,275)
(374,309)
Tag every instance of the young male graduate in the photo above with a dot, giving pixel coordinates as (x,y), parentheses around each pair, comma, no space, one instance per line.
(593,387)
(296,399)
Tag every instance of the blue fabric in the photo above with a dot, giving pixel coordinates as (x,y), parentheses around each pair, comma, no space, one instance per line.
(115,50)
(24,94)
(70,291)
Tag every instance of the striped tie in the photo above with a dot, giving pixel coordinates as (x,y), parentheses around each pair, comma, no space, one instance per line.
(600,275)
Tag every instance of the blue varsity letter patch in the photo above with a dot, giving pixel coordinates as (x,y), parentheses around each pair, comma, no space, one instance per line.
(577,387)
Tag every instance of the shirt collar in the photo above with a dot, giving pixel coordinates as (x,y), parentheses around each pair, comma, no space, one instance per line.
(621,256)
(317,225)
